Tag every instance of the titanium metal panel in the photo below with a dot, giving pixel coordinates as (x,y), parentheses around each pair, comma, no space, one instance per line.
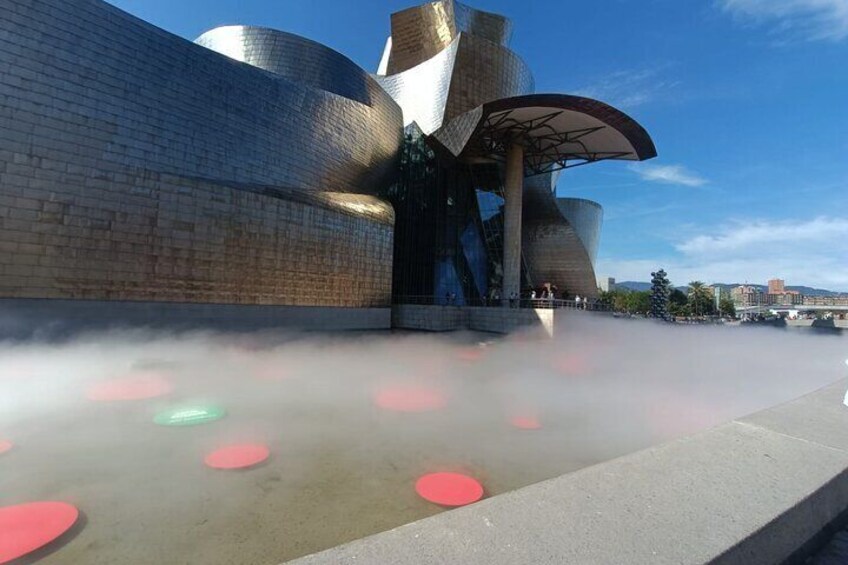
(586,217)
(422,91)
(139,166)
(309,63)
(420,32)
(467,73)
(485,72)
(555,250)
(554,253)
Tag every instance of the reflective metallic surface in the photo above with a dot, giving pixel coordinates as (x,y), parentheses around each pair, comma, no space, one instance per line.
(258,167)
(450,69)
(135,165)
(370,116)
(420,32)
(444,59)
(560,238)
(586,218)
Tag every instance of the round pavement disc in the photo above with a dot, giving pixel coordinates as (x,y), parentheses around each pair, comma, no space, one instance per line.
(237,456)
(138,386)
(449,489)
(27,527)
(271,373)
(470,354)
(190,415)
(410,399)
(571,366)
(5,445)
(526,422)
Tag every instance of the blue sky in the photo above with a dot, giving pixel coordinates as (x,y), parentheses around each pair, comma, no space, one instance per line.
(747,102)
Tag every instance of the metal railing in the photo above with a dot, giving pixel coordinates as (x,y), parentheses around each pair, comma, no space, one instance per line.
(523,302)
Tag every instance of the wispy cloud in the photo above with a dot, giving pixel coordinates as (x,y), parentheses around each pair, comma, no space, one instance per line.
(808,252)
(813,20)
(629,88)
(668,174)
(755,237)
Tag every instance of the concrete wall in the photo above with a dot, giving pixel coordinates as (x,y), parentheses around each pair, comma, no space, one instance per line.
(451,318)
(763,489)
(55,319)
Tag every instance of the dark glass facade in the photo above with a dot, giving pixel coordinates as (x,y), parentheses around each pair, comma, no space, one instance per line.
(449,227)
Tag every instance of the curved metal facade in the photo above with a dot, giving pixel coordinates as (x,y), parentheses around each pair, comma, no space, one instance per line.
(450,69)
(586,217)
(444,59)
(420,32)
(147,168)
(373,121)
(251,166)
(560,238)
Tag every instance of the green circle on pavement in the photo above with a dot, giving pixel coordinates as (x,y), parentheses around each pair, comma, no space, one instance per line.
(190,415)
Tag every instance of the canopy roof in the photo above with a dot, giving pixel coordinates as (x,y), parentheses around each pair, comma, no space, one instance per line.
(557,131)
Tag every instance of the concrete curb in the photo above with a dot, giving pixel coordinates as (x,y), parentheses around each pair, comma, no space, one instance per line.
(755,490)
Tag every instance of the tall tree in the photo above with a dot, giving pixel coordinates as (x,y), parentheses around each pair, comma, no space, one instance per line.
(678,305)
(727,307)
(660,290)
(700,299)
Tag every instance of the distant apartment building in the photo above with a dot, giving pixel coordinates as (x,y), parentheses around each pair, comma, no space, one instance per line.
(745,295)
(775,286)
(606,284)
(841,300)
(785,298)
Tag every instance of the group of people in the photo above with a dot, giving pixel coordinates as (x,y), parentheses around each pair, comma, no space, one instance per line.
(545,298)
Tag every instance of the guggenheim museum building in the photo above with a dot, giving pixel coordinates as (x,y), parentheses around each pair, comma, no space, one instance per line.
(257,169)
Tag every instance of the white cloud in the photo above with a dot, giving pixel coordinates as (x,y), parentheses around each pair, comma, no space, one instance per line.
(753,237)
(668,174)
(799,19)
(628,89)
(803,252)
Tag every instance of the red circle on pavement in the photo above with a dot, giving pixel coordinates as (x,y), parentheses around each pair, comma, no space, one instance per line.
(449,489)
(237,456)
(470,354)
(138,386)
(411,399)
(571,366)
(5,445)
(27,527)
(526,422)
(270,373)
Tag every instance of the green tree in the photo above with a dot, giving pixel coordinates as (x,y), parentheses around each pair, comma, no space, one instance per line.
(639,302)
(727,307)
(700,299)
(678,304)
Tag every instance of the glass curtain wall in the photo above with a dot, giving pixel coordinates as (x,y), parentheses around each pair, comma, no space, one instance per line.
(448,228)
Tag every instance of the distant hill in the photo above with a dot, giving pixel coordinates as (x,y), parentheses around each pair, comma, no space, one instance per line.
(805,290)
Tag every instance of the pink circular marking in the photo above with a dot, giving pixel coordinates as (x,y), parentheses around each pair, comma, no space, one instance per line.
(470,354)
(27,527)
(571,366)
(526,422)
(271,373)
(5,445)
(411,399)
(237,456)
(137,386)
(449,489)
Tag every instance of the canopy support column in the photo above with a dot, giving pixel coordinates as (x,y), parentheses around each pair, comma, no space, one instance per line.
(513,192)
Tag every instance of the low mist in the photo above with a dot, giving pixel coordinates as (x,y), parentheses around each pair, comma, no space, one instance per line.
(352,420)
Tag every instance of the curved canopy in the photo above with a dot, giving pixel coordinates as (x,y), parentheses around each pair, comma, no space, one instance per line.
(557,131)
